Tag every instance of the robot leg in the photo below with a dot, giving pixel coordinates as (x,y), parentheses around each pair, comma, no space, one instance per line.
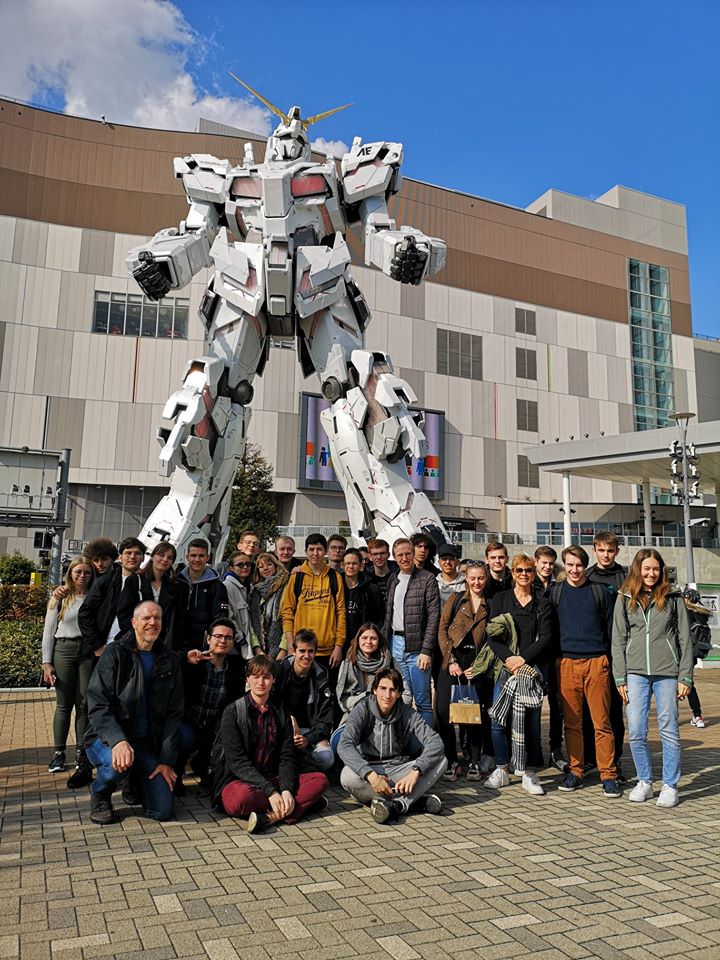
(203,438)
(370,431)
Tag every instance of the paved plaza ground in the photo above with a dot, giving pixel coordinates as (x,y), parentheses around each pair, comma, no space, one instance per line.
(497,875)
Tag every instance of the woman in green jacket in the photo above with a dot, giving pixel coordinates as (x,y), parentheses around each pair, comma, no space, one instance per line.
(652,656)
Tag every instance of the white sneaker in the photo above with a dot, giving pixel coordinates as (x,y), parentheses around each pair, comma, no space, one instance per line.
(498,778)
(643,791)
(668,797)
(531,783)
(698,722)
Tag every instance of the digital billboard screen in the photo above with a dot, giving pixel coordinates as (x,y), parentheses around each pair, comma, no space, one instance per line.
(315,468)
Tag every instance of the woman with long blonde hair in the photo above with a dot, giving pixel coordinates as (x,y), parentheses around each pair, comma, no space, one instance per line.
(652,657)
(67,665)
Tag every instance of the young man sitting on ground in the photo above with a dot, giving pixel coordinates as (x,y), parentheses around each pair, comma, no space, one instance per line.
(376,749)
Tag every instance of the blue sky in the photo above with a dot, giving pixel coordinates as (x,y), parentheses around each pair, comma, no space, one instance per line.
(503,100)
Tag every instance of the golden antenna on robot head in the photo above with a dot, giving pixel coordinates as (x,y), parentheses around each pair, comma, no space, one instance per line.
(284,116)
(321,116)
(271,106)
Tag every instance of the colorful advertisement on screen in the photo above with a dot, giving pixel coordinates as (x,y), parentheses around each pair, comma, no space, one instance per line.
(315,460)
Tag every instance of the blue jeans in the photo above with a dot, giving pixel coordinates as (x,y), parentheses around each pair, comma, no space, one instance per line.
(417,681)
(664,689)
(158,801)
(500,735)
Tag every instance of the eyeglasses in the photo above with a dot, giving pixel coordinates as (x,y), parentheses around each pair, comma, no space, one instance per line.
(222,636)
(243,564)
(524,570)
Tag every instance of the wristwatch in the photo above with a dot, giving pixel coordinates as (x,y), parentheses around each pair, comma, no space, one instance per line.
(417,769)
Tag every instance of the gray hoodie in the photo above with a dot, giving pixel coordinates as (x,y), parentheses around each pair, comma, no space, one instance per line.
(369,738)
(650,649)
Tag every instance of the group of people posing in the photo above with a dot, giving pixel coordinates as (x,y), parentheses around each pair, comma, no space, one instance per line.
(266,672)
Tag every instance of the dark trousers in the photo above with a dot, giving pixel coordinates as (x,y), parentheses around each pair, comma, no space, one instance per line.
(73,670)
(157,798)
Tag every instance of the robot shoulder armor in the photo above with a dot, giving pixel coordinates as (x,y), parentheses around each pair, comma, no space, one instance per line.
(371,169)
(204,176)
(390,154)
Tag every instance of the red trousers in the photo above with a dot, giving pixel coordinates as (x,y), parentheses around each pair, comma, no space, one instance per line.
(240,799)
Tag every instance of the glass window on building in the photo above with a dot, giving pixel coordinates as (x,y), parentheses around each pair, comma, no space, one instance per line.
(134,315)
(525,364)
(459,354)
(650,344)
(525,321)
(528,473)
(527,415)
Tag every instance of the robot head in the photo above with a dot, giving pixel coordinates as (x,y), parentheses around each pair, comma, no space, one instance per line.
(289,141)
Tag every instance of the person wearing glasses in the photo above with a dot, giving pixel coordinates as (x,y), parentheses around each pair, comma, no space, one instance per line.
(212,679)
(531,615)
(238,582)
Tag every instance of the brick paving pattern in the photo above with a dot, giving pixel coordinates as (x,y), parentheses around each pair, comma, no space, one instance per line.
(497,875)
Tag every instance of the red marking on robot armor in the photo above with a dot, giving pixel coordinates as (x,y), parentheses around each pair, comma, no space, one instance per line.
(305,283)
(313,185)
(247,188)
(326,219)
(205,429)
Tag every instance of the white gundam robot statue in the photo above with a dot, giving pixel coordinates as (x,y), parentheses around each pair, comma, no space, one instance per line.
(274,232)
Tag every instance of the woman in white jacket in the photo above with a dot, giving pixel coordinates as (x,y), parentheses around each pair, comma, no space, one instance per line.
(652,657)
(67,665)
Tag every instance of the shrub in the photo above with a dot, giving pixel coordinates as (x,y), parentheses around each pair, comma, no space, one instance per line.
(20,653)
(15,568)
(19,602)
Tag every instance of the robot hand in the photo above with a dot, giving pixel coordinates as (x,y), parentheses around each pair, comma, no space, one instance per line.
(152,276)
(408,264)
(406,255)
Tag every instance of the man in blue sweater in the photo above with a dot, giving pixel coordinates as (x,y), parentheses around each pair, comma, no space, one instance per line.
(584,628)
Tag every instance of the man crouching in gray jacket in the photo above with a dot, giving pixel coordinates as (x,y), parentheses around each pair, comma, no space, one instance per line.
(376,748)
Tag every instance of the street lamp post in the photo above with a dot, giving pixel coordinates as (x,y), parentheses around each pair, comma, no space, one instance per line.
(682,459)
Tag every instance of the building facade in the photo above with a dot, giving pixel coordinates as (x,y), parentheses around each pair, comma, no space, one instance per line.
(568,319)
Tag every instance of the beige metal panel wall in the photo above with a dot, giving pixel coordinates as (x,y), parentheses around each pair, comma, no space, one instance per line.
(53,362)
(119,373)
(42,297)
(63,247)
(153,382)
(18,363)
(400,340)
(481,312)
(12,289)
(65,426)
(96,252)
(89,358)
(75,303)
(99,435)
(7,237)
(134,433)
(27,421)
(30,245)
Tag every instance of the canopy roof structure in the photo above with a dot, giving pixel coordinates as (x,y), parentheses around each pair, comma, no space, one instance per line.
(632,457)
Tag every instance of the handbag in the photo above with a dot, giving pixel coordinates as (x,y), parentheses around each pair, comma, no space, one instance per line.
(464,704)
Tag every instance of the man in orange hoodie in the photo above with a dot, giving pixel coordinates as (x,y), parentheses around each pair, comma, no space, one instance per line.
(314,600)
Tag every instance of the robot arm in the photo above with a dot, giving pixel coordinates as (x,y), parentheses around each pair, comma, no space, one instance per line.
(371,174)
(173,256)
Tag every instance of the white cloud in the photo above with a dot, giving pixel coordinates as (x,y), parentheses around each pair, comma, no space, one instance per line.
(127,60)
(332,148)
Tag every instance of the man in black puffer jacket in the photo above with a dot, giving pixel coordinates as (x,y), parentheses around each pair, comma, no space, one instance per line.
(135,707)
(412,617)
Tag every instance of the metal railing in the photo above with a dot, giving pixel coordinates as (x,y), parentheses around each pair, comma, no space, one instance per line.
(554,539)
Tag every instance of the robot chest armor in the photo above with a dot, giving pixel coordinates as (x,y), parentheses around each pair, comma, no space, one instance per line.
(301,203)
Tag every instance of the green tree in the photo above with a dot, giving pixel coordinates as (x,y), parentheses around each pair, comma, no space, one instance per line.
(15,568)
(253,502)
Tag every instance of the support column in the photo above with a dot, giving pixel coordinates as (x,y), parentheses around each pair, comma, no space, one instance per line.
(567,515)
(647,511)
(61,518)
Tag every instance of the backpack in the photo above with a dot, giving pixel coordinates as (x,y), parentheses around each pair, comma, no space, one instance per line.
(699,618)
(300,576)
(216,764)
